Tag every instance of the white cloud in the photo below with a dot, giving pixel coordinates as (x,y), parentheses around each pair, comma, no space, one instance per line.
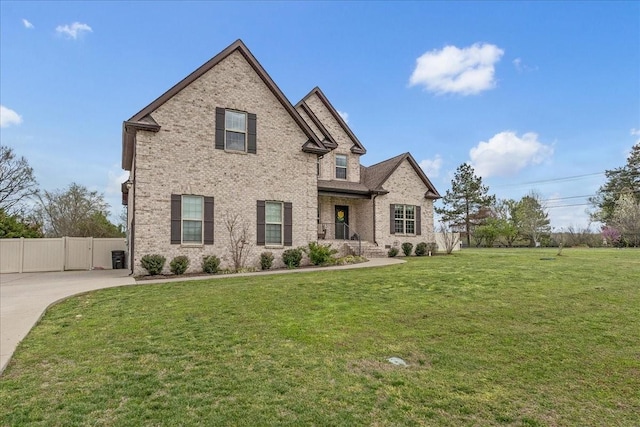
(74,30)
(465,71)
(9,117)
(27,24)
(116,177)
(520,66)
(506,153)
(345,116)
(431,167)
(636,132)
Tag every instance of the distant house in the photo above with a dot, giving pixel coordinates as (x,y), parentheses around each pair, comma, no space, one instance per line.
(225,142)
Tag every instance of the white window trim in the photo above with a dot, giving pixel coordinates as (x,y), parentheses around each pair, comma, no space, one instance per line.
(405,220)
(346,175)
(281,224)
(245,132)
(183,219)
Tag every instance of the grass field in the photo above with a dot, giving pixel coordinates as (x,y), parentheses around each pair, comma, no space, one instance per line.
(491,337)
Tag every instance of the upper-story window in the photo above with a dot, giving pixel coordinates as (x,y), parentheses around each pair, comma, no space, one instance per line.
(235,131)
(341,166)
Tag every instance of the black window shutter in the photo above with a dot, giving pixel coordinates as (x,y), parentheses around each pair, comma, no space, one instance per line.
(260,224)
(418,221)
(288,224)
(251,134)
(176,219)
(219,144)
(392,217)
(208,220)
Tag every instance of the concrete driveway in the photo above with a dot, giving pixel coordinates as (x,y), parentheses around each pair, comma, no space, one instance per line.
(24,297)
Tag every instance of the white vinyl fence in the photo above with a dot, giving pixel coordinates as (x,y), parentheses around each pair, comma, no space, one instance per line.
(441,241)
(64,253)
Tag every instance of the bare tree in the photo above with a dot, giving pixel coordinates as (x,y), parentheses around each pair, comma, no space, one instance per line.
(239,243)
(450,238)
(17,183)
(75,212)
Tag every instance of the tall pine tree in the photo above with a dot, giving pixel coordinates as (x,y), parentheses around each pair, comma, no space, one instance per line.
(465,201)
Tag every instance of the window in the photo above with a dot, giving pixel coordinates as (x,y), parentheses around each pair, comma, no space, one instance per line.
(191,220)
(341,166)
(273,223)
(404,219)
(192,215)
(235,130)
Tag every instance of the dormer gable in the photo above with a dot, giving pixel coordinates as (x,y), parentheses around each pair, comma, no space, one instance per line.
(317,98)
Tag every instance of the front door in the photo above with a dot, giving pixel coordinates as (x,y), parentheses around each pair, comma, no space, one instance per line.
(342,222)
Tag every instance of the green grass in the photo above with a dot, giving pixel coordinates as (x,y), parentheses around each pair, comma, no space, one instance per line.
(492,337)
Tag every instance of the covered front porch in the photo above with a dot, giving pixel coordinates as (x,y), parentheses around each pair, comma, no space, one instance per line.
(342,218)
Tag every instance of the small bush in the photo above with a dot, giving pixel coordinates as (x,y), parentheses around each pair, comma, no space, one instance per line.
(421,249)
(153,263)
(292,257)
(407,248)
(320,254)
(266,260)
(393,252)
(210,264)
(179,264)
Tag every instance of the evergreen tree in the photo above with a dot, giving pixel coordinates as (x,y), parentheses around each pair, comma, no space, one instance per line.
(466,201)
(619,181)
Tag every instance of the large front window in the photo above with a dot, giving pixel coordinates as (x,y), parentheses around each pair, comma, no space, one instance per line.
(273,223)
(235,130)
(405,219)
(341,166)
(192,219)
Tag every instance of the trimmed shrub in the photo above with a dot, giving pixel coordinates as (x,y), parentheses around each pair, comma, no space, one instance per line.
(292,257)
(153,263)
(179,264)
(421,249)
(407,248)
(210,264)
(266,260)
(393,252)
(320,254)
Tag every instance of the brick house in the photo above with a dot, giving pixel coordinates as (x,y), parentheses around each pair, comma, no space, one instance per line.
(226,143)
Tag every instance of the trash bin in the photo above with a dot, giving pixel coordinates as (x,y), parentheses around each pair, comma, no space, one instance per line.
(117,260)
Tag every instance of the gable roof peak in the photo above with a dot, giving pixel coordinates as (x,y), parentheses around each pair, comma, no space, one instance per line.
(357,147)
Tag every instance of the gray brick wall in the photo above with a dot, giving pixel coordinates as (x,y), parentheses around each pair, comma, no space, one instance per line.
(181,159)
(405,187)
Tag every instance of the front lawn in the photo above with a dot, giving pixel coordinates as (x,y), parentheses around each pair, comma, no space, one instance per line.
(491,337)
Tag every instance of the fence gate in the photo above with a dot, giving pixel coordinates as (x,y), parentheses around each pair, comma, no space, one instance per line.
(78,253)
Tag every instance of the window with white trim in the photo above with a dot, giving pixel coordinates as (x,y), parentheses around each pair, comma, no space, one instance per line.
(235,130)
(192,219)
(341,166)
(273,223)
(405,219)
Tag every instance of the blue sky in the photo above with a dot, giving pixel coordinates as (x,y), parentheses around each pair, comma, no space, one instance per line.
(540,96)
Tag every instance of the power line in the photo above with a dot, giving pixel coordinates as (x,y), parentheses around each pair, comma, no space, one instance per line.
(551,180)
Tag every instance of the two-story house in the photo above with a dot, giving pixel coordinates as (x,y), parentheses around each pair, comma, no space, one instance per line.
(224,148)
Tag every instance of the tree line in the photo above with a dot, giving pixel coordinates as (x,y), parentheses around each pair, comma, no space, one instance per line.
(484,220)
(28,211)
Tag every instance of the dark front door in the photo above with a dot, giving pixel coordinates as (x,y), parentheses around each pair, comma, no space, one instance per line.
(342,222)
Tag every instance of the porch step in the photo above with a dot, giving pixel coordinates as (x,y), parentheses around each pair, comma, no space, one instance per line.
(367,249)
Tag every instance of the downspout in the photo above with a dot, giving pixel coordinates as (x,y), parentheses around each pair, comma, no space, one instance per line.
(373,201)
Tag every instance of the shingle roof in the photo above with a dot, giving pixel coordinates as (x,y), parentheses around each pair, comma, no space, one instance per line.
(376,175)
